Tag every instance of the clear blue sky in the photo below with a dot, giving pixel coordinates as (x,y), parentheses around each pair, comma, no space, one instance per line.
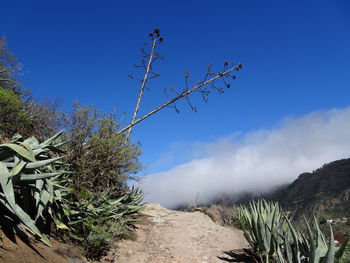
(296,57)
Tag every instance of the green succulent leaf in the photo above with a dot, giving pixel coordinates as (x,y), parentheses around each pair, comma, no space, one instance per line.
(38,164)
(23,175)
(20,150)
(18,168)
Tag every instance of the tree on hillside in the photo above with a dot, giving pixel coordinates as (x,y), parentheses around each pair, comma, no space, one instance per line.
(13,117)
(19,111)
(10,69)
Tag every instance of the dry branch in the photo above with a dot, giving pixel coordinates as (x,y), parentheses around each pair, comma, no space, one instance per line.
(152,57)
(181,95)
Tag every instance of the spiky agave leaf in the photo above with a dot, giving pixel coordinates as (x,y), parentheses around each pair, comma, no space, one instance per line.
(20,150)
(24,164)
(9,201)
(260,221)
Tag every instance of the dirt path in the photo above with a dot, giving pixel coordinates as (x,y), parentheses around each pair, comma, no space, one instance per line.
(167,236)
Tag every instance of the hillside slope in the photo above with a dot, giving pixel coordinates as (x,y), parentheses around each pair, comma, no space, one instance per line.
(325,193)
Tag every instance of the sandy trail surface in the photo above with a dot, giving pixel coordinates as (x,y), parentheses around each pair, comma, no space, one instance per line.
(167,236)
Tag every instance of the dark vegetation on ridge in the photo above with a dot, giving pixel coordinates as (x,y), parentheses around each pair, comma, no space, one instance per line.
(325,191)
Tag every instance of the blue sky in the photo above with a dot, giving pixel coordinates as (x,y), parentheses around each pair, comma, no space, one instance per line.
(295,54)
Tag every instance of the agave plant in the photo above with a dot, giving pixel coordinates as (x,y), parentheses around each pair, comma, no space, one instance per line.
(273,237)
(28,178)
(260,220)
(97,220)
(310,248)
(101,208)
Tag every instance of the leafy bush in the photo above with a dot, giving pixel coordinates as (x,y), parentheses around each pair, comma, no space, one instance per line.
(10,68)
(27,117)
(19,112)
(99,157)
(346,257)
(13,117)
(101,207)
(29,192)
(45,117)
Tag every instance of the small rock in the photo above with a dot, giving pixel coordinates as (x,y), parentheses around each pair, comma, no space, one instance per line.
(158,220)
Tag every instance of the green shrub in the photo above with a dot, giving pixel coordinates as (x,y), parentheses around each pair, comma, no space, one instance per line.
(27,117)
(19,112)
(102,207)
(99,157)
(346,257)
(45,117)
(10,69)
(13,117)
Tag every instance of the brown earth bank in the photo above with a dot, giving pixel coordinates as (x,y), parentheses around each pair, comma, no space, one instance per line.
(162,236)
(15,250)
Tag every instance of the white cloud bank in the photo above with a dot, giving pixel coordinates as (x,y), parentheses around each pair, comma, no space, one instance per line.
(254,162)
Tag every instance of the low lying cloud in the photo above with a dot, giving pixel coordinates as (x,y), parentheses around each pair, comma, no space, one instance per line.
(254,162)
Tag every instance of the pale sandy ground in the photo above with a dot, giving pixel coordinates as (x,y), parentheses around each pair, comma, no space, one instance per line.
(167,236)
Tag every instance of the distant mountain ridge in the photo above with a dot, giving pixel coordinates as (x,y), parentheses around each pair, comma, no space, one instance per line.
(325,192)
